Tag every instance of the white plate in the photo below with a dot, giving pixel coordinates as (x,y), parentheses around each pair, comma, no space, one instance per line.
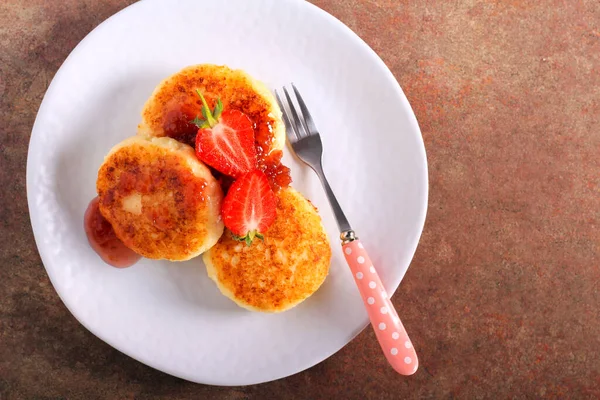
(171,316)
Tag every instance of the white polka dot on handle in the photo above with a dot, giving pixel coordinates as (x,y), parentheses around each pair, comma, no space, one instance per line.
(382,314)
(360,246)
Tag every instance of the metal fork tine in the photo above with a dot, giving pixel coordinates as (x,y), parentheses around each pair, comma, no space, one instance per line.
(300,113)
(310,125)
(295,116)
(290,129)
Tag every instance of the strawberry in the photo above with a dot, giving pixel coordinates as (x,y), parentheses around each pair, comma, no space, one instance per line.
(225,139)
(249,207)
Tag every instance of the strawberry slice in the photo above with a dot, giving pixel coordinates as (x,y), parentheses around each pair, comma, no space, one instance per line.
(249,207)
(225,139)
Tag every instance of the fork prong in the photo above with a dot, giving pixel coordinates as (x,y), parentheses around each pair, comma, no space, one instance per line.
(310,125)
(292,135)
(301,128)
(300,112)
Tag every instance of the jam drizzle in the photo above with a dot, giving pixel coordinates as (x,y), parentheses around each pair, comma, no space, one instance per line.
(104,241)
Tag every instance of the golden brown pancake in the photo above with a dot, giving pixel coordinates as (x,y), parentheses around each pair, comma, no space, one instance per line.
(161,201)
(282,271)
(174,104)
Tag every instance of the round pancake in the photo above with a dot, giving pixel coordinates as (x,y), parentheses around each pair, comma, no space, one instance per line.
(279,273)
(161,201)
(175,103)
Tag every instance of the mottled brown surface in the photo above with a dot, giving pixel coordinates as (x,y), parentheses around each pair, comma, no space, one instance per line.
(502,298)
(174,221)
(176,99)
(279,272)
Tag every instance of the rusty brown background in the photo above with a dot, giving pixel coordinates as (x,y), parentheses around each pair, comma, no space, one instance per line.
(502,299)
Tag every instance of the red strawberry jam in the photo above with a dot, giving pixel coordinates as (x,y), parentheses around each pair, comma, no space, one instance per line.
(104,241)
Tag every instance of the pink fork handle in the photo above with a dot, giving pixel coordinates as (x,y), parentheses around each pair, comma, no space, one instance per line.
(390,332)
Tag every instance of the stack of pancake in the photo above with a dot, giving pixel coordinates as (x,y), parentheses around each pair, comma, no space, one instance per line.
(164,203)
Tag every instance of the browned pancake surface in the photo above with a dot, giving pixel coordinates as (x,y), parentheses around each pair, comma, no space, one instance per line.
(161,201)
(279,273)
(174,104)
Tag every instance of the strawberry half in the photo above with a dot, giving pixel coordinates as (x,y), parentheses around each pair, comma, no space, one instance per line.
(249,208)
(225,140)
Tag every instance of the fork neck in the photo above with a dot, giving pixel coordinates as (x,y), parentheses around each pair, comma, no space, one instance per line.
(340,217)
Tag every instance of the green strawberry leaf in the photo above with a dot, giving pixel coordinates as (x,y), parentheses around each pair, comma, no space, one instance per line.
(211,117)
(249,238)
(218,109)
(198,122)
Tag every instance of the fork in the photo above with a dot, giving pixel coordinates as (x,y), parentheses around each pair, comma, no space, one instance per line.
(306,143)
